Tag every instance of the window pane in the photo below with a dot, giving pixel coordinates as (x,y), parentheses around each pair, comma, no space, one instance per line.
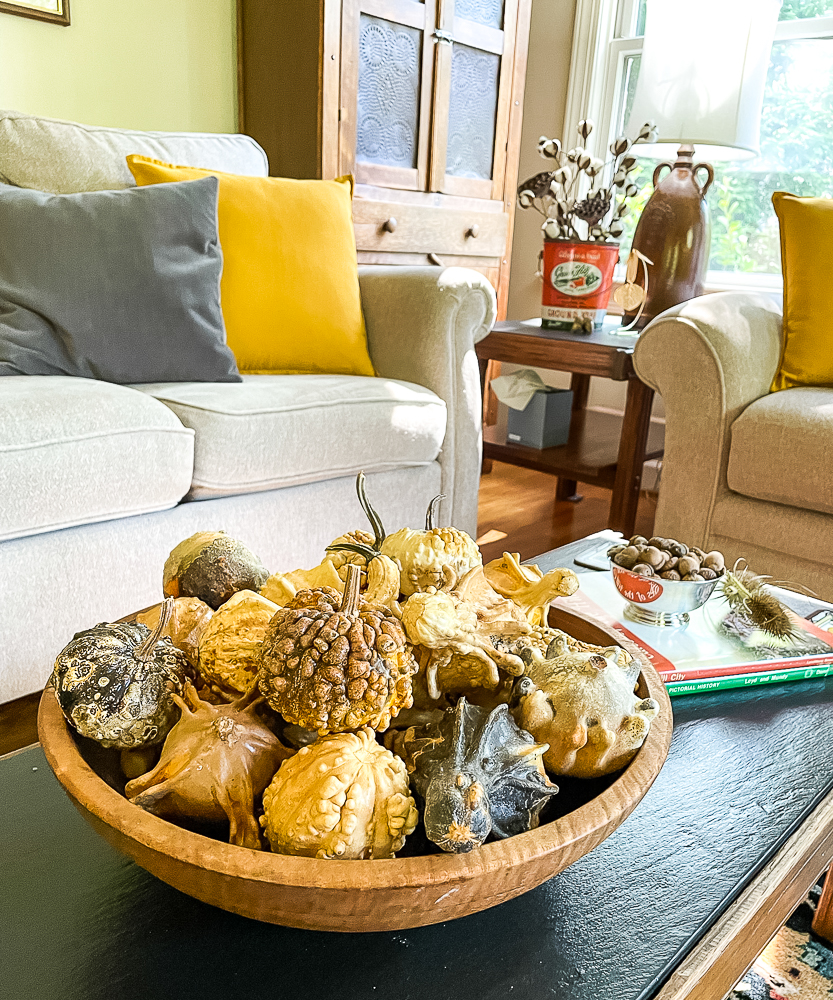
(483,11)
(388,93)
(471,112)
(791,10)
(640,17)
(796,156)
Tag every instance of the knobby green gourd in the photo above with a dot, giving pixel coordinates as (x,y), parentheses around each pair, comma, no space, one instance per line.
(114,683)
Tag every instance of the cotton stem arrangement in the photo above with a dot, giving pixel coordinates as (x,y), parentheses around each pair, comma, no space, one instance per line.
(570,214)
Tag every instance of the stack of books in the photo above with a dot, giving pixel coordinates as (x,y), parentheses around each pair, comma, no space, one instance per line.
(715,650)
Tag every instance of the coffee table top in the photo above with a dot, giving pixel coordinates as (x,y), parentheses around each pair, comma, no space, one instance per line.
(744,770)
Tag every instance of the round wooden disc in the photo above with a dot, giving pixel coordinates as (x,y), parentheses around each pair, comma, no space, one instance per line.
(629,296)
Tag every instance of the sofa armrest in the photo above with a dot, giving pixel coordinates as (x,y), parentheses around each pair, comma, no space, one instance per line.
(422,325)
(708,358)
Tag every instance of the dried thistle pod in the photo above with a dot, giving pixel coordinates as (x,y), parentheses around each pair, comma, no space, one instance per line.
(345,797)
(478,774)
(749,598)
(332,663)
(230,646)
(582,703)
(114,683)
(189,619)
(435,557)
(216,760)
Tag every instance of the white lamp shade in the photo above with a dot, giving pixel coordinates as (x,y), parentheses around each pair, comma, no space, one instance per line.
(702,75)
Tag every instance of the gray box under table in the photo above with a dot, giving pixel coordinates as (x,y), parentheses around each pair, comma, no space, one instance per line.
(544,422)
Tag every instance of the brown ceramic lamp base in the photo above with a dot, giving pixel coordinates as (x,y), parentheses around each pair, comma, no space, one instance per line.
(674,231)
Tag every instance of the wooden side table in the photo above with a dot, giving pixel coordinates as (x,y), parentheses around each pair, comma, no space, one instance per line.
(603,449)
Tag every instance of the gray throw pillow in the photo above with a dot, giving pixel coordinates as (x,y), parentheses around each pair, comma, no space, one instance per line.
(122,286)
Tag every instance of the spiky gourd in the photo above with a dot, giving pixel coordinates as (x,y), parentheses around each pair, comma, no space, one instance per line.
(216,760)
(478,773)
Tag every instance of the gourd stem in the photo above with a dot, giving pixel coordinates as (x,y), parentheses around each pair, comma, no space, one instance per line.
(370,513)
(145,651)
(432,508)
(350,601)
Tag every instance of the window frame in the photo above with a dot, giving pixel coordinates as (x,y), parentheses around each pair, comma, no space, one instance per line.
(603,36)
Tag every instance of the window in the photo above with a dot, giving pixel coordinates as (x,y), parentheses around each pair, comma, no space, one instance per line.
(796,127)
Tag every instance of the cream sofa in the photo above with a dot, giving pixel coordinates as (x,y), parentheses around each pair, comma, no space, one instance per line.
(99,481)
(746,471)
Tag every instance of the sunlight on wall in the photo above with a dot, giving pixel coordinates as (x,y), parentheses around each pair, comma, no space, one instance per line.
(147,64)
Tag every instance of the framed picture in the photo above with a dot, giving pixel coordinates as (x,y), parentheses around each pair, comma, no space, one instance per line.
(56,11)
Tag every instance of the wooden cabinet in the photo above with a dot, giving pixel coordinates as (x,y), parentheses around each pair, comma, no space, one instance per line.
(420,101)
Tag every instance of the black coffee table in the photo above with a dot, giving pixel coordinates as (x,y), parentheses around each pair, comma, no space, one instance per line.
(675,904)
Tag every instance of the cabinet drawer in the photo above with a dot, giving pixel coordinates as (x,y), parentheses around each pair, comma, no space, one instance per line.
(403,228)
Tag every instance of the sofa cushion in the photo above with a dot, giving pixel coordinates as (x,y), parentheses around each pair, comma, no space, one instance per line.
(281,430)
(782,449)
(75,450)
(64,157)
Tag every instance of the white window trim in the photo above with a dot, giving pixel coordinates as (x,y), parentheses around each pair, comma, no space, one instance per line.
(602,38)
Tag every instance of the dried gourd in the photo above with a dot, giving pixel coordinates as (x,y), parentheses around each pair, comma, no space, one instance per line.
(478,773)
(114,683)
(449,626)
(582,703)
(216,760)
(435,557)
(333,663)
(345,797)
(280,588)
(529,588)
(189,619)
(352,547)
(212,566)
(230,647)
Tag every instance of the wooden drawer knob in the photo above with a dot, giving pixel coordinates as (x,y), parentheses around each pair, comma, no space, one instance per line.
(472,232)
(389,226)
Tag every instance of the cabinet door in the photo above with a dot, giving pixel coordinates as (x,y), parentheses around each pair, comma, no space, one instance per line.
(387,52)
(474,62)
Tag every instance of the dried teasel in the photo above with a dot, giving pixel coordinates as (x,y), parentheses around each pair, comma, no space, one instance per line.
(748,596)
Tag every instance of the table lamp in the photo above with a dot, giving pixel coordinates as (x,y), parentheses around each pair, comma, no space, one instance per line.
(701,81)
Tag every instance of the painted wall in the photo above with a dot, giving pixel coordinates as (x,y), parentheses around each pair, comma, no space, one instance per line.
(548,67)
(147,64)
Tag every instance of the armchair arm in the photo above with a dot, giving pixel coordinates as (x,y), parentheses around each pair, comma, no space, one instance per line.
(422,325)
(708,358)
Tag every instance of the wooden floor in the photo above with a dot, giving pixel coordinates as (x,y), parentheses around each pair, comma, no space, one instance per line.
(518,513)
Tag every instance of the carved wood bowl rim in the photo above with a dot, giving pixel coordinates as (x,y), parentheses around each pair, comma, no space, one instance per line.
(528,859)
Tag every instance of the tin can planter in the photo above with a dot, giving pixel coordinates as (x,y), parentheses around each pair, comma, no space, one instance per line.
(578,277)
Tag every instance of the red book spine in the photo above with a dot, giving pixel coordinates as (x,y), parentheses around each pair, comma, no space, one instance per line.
(736,669)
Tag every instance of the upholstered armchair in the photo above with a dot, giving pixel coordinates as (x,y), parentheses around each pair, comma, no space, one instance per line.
(746,470)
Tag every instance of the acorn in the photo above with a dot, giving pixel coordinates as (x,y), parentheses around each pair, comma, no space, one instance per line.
(687,565)
(707,573)
(714,560)
(654,557)
(638,540)
(670,574)
(628,557)
(643,569)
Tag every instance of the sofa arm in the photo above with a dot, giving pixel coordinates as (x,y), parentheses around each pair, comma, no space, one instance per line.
(422,325)
(708,358)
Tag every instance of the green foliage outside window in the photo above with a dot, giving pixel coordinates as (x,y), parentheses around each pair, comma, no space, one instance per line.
(796,153)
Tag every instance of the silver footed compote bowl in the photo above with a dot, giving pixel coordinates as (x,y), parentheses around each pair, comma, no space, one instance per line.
(654,601)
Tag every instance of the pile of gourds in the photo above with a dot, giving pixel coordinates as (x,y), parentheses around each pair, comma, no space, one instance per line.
(331,709)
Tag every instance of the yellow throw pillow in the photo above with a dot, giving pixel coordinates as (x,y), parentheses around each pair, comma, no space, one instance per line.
(290,284)
(807,262)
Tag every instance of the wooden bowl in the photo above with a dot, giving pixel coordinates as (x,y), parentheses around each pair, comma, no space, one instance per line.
(359,895)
